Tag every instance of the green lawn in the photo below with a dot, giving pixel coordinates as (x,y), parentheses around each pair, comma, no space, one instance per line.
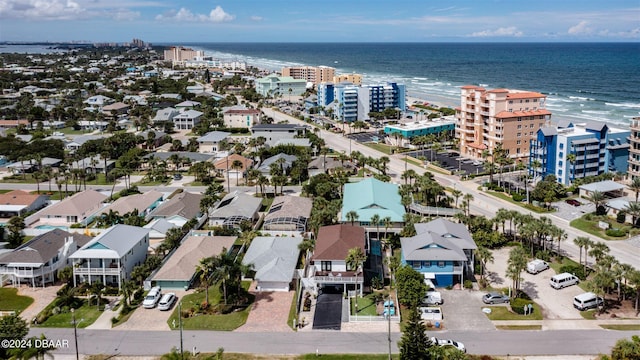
(348,356)
(85,316)
(622,327)
(292,310)
(503,313)
(380,147)
(224,322)
(366,306)
(508,198)
(519,327)
(592,228)
(10,300)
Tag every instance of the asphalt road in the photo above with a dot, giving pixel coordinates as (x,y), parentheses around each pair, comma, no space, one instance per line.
(496,342)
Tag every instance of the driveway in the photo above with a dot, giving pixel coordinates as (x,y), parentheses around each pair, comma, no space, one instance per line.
(556,304)
(462,310)
(152,319)
(328,314)
(41,298)
(269,312)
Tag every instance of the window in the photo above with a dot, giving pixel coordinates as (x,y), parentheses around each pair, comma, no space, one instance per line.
(519,127)
(325,265)
(561,146)
(426,264)
(415,264)
(518,142)
(518,151)
(441,264)
(519,134)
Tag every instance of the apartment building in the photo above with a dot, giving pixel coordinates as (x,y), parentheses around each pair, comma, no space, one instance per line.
(573,152)
(634,149)
(487,118)
(312,74)
(179,54)
(355,79)
(350,102)
(274,85)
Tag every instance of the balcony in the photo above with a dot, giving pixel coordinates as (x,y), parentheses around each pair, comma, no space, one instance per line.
(96,271)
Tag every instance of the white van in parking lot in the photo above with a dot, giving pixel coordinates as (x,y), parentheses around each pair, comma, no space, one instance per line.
(563,280)
(587,301)
(537,265)
(430,313)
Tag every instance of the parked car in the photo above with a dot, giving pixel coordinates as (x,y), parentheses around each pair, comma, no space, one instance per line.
(167,301)
(431,313)
(495,298)
(563,280)
(573,202)
(432,298)
(447,342)
(536,266)
(177,176)
(151,300)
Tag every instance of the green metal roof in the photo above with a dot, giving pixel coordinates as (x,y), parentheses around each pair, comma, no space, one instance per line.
(372,196)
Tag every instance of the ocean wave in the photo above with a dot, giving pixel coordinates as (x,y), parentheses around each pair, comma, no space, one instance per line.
(581,98)
(624,105)
(597,112)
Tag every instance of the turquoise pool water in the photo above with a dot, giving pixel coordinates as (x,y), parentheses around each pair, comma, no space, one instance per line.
(51,227)
(375,248)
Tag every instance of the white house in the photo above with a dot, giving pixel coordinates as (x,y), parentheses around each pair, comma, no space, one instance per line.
(210,142)
(111,256)
(187,120)
(274,261)
(241,117)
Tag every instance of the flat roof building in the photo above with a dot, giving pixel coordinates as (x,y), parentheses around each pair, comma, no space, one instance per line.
(312,74)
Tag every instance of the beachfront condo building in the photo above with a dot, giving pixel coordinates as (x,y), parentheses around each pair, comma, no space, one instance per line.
(355,79)
(274,85)
(634,149)
(179,54)
(574,151)
(349,102)
(312,74)
(507,117)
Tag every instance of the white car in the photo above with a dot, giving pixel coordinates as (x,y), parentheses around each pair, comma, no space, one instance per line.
(536,266)
(446,342)
(152,298)
(167,301)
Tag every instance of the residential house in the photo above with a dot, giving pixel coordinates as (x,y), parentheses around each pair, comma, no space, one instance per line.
(155,137)
(328,165)
(80,208)
(179,209)
(288,213)
(187,105)
(442,251)
(97,102)
(78,141)
(371,197)
(329,263)
(91,125)
(285,163)
(274,85)
(274,261)
(19,202)
(179,271)
(235,208)
(241,117)
(94,164)
(225,166)
(111,256)
(38,260)
(212,141)
(187,119)
(165,115)
(274,132)
(144,203)
(158,228)
(115,109)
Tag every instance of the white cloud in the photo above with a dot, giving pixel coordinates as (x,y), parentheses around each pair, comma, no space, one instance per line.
(503,31)
(580,29)
(68,9)
(630,34)
(216,15)
(256,18)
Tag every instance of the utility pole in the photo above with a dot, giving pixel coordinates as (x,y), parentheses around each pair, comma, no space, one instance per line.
(180,325)
(389,325)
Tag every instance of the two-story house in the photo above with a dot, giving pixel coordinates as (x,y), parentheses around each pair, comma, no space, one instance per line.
(37,261)
(441,250)
(241,117)
(211,141)
(329,263)
(111,256)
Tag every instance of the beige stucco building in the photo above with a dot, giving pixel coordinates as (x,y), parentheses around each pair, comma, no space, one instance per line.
(355,79)
(634,149)
(241,117)
(179,54)
(487,118)
(313,74)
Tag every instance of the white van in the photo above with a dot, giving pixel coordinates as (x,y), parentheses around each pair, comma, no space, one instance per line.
(537,265)
(587,301)
(430,313)
(563,280)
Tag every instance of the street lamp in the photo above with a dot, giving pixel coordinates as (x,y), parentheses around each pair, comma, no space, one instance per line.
(75,331)
(180,324)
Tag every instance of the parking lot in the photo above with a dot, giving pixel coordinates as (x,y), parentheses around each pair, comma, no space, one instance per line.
(570,212)
(450,161)
(363,137)
(462,310)
(556,304)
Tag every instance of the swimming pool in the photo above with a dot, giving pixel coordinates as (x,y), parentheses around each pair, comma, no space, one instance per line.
(51,227)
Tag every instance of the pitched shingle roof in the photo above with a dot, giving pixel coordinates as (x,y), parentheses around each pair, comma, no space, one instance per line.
(273,258)
(81,204)
(18,197)
(114,243)
(42,248)
(438,240)
(372,196)
(185,204)
(334,241)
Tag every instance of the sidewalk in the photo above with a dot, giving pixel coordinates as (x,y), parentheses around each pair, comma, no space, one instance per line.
(104,321)
(564,324)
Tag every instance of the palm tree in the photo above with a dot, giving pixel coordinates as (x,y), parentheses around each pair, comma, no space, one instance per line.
(456,194)
(516,264)
(237,165)
(635,186)
(39,349)
(633,208)
(375,220)
(386,221)
(355,258)
(206,268)
(467,198)
(485,256)
(581,242)
(351,216)
(598,251)
(598,199)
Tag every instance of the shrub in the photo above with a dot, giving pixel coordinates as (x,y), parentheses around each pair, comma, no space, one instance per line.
(616,232)
(518,304)
(543,255)
(518,197)
(114,320)
(576,270)
(468,284)
(621,217)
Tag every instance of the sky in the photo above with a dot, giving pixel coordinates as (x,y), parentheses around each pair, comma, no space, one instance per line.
(163,21)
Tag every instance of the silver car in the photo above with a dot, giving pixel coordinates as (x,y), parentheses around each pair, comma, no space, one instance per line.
(167,301)
(495,298)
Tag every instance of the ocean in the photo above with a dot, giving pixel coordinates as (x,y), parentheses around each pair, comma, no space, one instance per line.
(582,81)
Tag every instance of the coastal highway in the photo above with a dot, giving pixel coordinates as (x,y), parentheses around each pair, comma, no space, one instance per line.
(495,342)
(626,251)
